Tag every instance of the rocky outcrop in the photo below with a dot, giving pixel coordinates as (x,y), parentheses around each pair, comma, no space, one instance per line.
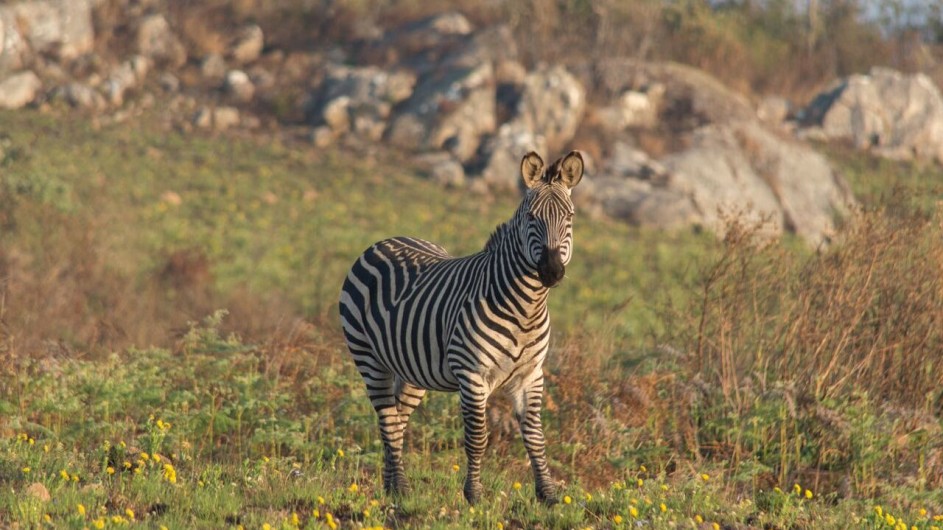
(892,114)
(667,145)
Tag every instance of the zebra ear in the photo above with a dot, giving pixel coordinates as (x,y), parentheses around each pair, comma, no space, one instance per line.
(571,169)
(532,169)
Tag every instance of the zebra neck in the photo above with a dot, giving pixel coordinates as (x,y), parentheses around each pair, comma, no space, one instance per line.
(514,277)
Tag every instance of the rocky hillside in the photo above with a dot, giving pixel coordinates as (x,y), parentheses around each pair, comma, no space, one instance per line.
(668,145)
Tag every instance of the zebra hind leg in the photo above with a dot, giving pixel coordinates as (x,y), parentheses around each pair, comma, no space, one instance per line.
(527,406)
(408,397)
(381,389)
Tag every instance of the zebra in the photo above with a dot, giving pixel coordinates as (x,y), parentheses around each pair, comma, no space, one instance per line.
(417,319)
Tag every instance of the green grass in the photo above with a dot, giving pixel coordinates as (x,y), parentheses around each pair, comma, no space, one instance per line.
(104,343)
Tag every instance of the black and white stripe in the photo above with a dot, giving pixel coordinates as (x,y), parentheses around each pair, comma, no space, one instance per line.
(417,319)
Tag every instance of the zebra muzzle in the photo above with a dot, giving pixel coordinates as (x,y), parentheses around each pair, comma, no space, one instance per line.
(550,268)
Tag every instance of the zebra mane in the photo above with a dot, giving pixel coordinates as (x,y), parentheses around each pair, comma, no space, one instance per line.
(499,235)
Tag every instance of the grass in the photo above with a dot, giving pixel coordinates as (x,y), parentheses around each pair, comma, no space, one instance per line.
(685,386)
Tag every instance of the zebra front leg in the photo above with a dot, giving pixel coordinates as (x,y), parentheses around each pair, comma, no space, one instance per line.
(474,400)
(527,407)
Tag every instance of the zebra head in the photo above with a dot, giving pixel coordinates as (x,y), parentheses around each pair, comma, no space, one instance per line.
(546,214)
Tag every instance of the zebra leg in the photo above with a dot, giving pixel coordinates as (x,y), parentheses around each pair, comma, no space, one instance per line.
(527,407)
(474,399)
(382,393)
(408,398)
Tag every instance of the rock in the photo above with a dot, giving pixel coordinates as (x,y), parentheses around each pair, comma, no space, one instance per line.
(156,39)
(896,115)
(79,95)
(213,68)
(502,155)
(128,75)
(239,86)
(691,97)
(14,49)
(449,109)
(322,136)
(552,103)
(39,492)
(773,110)
(169,82)
(636,109)
(59,27)
(225,117)
(248,44)
(441,167)
(19,90)
(359,99)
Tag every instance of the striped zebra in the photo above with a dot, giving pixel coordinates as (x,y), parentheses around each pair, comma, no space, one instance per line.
(417,319)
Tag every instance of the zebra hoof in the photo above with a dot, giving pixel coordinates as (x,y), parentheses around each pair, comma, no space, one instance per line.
(548,496)
(472,493)
(397,488)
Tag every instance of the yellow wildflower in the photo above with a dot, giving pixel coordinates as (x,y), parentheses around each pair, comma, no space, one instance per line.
(705,477)
(145,456)
(75,478)
(662,507)
(797,488)
(329,519)
(127,465)
(664,487)
(320,500)
(340,453)
(266,526)
(295,521)
(808,494)
(26,470)
(890,519)
(64,474)
(633,511)
(923,512)
(47,518)
(589,497)
(500,525)
(643,469)
(81,509)
(715,526)
(455,468)
(353,488)
(316,513)
(45,448)
(640,482)
(617,519)
(99,523)
(777,490)
(366,512)
(170,473)
(698,519)
(156,457)
(130,513)
(879,511)
(110,470)
(516,485)
(567,499)
(32,441)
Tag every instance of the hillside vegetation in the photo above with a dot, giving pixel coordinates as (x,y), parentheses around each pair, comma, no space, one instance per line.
(171,354)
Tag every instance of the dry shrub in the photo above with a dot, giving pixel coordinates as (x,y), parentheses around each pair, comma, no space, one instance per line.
(865,315)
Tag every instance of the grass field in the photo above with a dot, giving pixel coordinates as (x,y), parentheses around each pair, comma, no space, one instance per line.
(170,354)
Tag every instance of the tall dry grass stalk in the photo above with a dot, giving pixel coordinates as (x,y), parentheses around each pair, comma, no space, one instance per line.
(865,315)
